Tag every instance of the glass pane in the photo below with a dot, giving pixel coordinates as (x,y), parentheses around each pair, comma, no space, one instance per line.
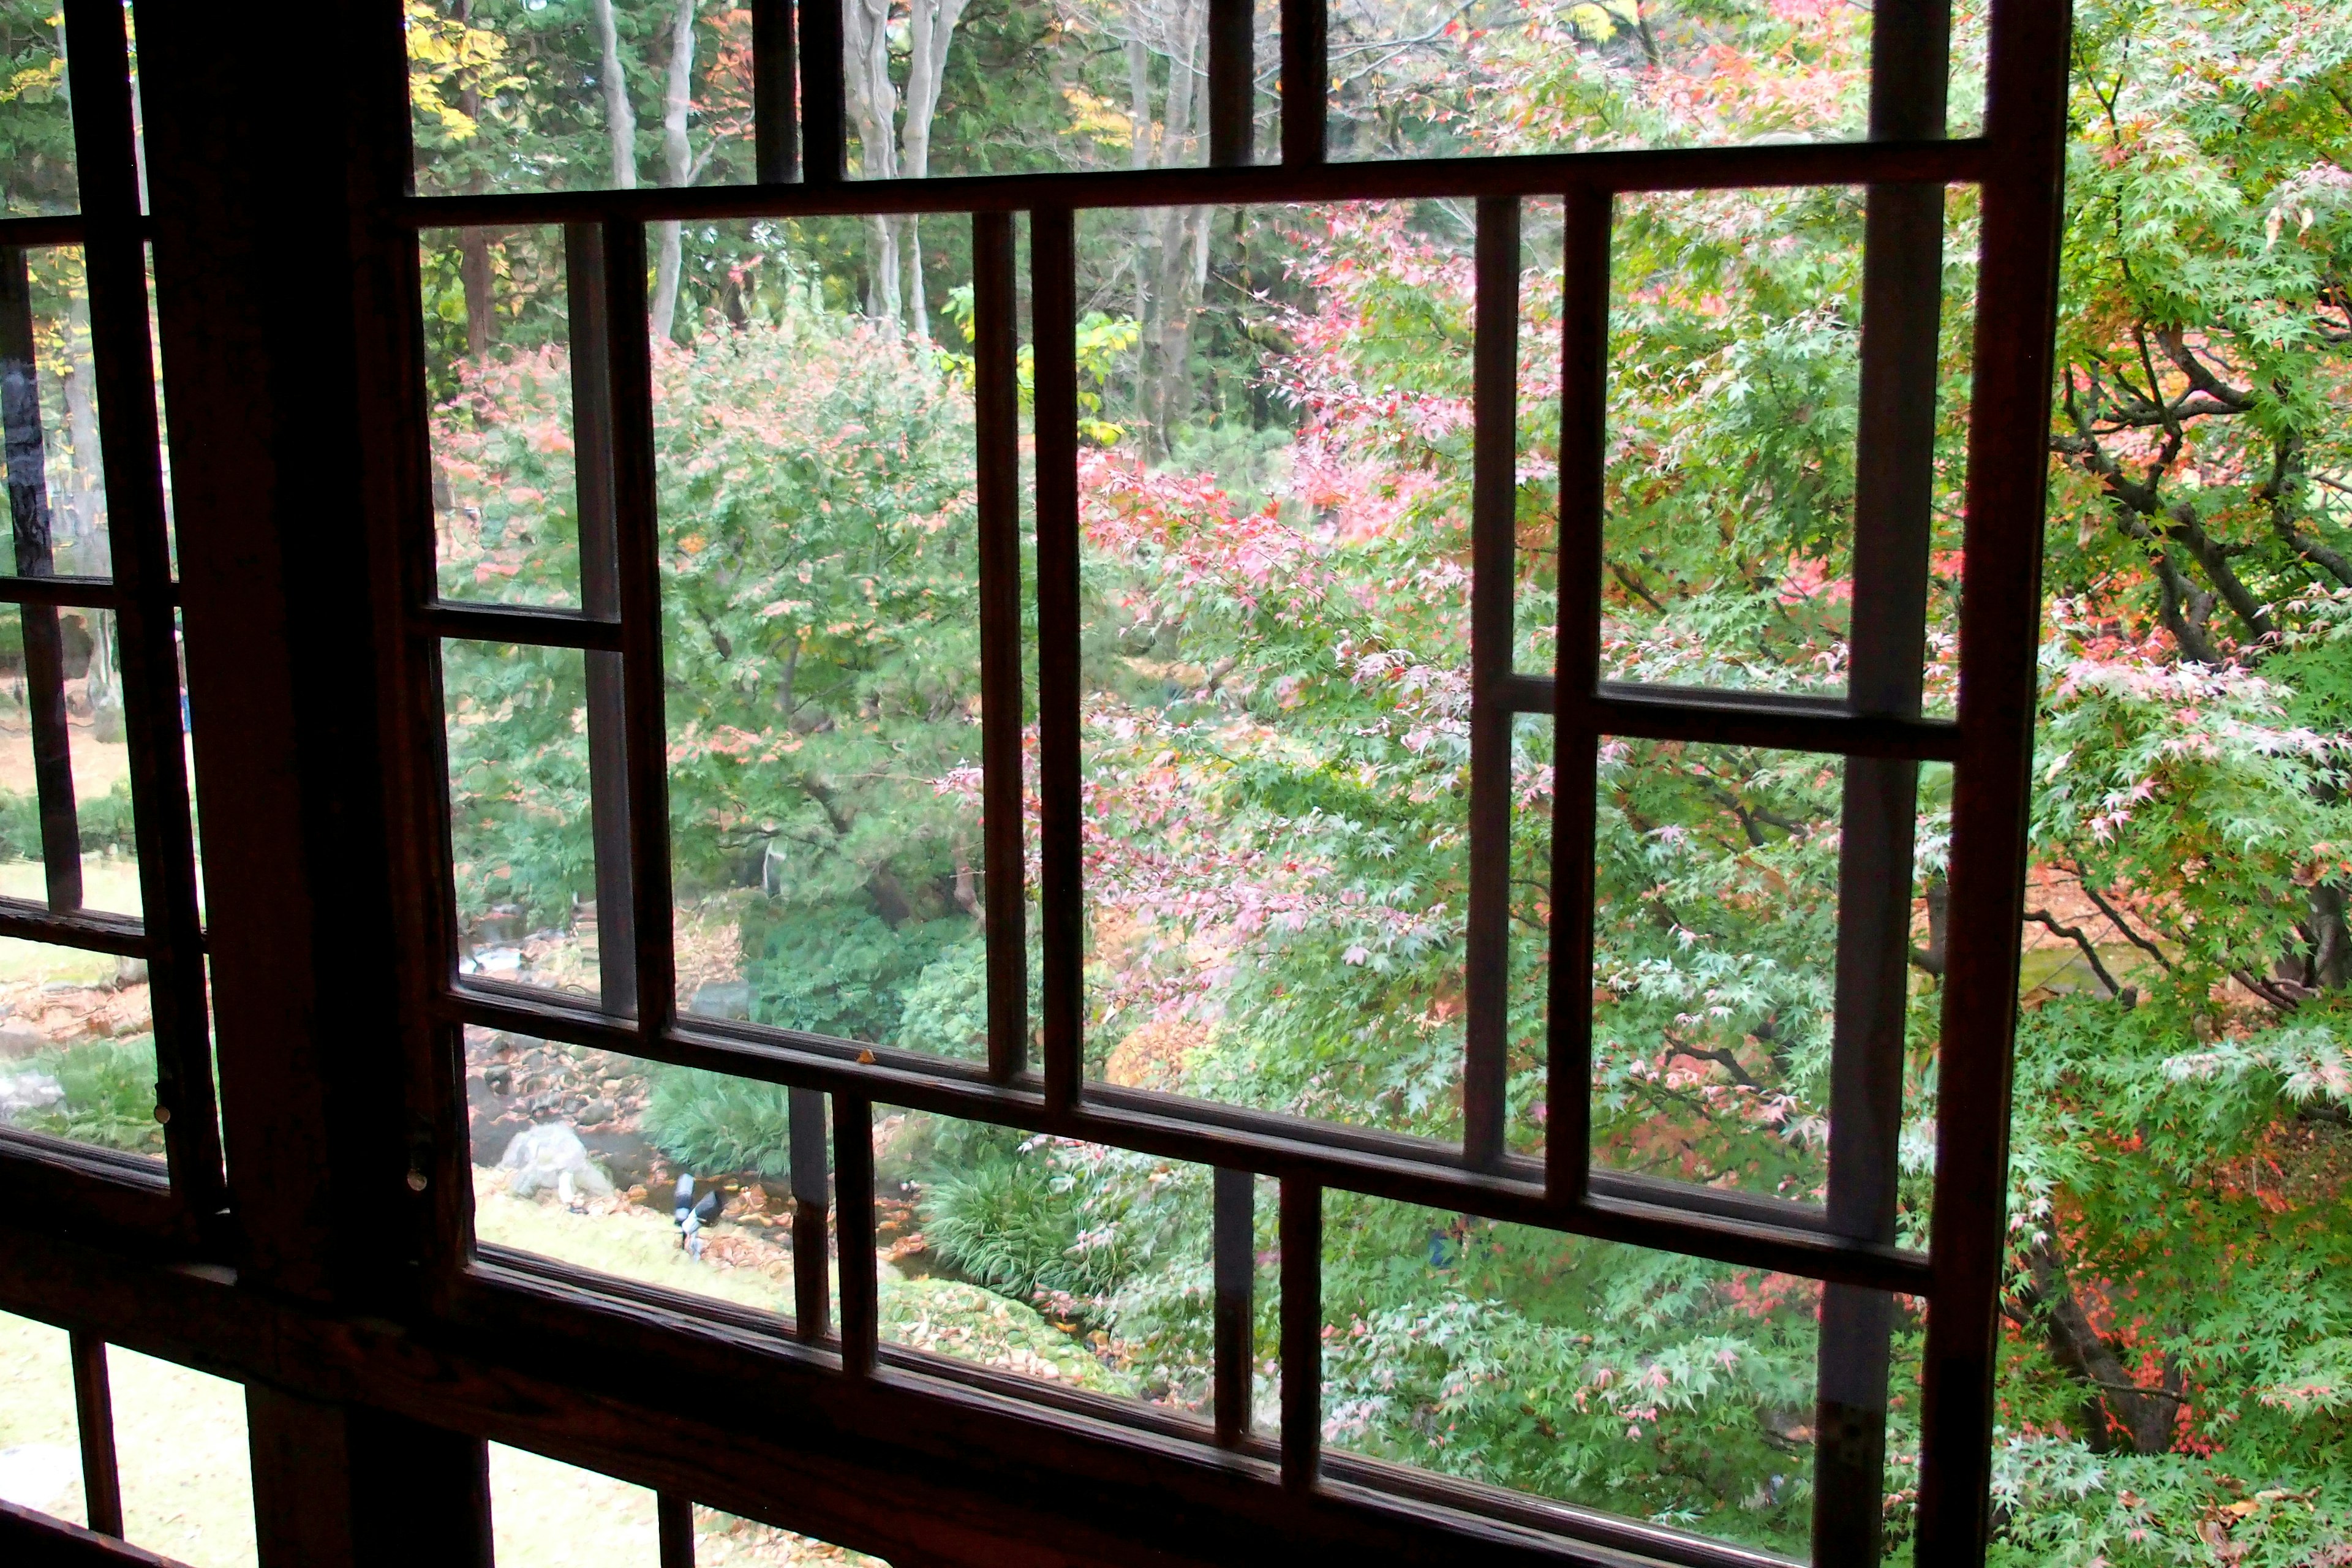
(77,1046)
(1535,605)
(499,370)
(1276,686)
(186,1462)
(1528,1046)
(1735,348)
(1564,75)
(819,534)
(522,839)
(1644,1383)
(1093,84)
(67,533)
(36,142)
(521,95)
(548,1514)
(97,768)
(1071,1263)
(577,1155)
(40,1438)
(102,754)
(721,1538)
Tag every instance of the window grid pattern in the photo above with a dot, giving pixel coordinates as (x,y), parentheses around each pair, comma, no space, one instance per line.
(1849,1243)
(113,231)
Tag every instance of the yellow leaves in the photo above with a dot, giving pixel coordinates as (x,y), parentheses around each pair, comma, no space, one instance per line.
(442,50)
(1599,21)
(35,84)
(1095,117)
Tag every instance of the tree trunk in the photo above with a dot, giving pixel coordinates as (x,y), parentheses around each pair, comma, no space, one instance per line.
(2148,1416)
(931,28)
(620,117)
(678,161)
(85,500)
(873,106)
(479,279)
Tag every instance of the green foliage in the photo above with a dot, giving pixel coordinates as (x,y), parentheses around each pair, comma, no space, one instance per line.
(713,1122)
(106,823)
(110,1093)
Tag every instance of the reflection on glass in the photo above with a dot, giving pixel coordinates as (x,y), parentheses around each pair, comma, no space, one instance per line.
(577,1155)
(498,369)
(40,1451)
(1734,355)
(820,580)
(57,496)
(1275,686)
(184,1459)
(521,836)
(1644,1383)
(77,1046)
(36,141)
(522,95)
(1073,1264)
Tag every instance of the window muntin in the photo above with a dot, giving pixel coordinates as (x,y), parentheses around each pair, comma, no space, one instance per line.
(1040,1083)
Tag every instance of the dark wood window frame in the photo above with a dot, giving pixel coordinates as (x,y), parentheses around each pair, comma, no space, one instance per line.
(334,1271)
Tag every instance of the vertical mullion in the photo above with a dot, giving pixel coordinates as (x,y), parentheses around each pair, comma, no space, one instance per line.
(101,1481)
(2000,609)
(28,507)
(822,142)
(1232,71)
(1494,502)
(1306,81)
(1053,307)
(774,78)
(997,430)
(587,300)
(1894,467)
(1583,455)
(1233,1266)
(1302,1333)
(637,550)
(853,1201)
(805,1144)
(114,261)
(674,1516)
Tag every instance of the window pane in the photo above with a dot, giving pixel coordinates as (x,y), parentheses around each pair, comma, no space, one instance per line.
(40,1451)
(37,143)
(1094,84)
(1527,1053)
(1713,984)
(522,837)
(721,1538)
(1735,347)
(78,1047)
(548,1514)
(499,370)
(1642,1384)
(65,531)
(521,95)
(1070,1263)
(1274,494)
(577,1153)
(96,768)
(820,542)
(184,1459)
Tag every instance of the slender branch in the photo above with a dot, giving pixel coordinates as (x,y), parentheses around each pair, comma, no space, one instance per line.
(2081,939)
(2115,916)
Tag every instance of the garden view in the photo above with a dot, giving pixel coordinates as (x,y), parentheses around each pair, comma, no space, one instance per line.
(1275,486)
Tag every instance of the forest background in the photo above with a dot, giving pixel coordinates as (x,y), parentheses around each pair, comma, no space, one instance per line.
(1275,481)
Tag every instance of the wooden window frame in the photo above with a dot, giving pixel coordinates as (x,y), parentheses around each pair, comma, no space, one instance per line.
(342,1093)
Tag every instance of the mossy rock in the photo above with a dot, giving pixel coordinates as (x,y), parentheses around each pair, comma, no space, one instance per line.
(947,1317)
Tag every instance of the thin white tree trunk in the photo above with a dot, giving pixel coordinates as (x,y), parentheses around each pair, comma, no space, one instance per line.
(873,105)
(620,116)
(677,159)
(931,28)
